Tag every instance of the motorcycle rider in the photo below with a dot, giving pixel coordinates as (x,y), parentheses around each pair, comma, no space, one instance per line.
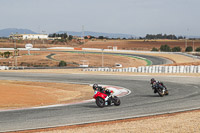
(156,84)
(96,87)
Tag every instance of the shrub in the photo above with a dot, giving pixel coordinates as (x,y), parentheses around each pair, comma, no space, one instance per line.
(165,48)
(189,49)
(176,49)
(154,49)
(62,63)
(197,49)
(7,54)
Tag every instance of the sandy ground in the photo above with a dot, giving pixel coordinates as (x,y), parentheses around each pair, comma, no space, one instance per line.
(18,94)
(146,45)
(38,58)
(95,60)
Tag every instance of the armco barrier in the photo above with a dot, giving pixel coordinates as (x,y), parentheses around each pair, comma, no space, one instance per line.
(151,69)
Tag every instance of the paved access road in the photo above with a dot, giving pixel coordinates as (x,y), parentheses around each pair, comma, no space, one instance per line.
(184,95)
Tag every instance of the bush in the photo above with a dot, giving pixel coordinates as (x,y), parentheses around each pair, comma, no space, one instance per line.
(197,49)
(62,64)
(189,49)
(165,48)
(154,49)
(176,49)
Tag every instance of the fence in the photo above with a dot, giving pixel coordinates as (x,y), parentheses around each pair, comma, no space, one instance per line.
(151,69)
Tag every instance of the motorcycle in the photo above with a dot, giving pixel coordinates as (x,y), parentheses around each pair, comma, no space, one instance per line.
(161,90)
(101,99)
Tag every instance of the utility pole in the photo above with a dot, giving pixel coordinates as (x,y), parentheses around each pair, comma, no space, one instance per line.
(185,42)
(193,45)
(83,34)
(102,58)
(15,50)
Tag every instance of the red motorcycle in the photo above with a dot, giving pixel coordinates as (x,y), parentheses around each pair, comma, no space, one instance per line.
(101,99)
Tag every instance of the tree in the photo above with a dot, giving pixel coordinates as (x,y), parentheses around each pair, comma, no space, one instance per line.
(176,49)
(70,37)
(7,54)
(62,64)
(165,48)
(189,49)
(197,49)
(154,49)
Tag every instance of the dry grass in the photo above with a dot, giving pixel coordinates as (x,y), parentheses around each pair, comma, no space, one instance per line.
(140,44)
(38,58)
(18,94)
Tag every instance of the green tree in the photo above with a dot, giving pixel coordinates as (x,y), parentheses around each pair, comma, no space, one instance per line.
(62,64)
(165,48)
(197,49)
(154,49)
(70,37)
(189,49)
(176,49)
(101,37)
(7,54)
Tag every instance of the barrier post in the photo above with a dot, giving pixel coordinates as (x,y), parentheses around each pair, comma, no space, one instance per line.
(198,69)
(173,69)
(191,69)
(170,69)
(166,68)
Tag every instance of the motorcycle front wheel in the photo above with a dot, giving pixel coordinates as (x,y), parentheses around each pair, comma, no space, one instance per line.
(100,102)
(116,101)
(160,93)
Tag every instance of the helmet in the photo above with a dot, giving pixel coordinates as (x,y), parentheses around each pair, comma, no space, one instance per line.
(95,86)
(153,80)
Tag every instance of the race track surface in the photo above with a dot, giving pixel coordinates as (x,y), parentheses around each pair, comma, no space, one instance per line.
(184,94)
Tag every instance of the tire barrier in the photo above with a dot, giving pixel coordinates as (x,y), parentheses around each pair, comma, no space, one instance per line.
(151,69)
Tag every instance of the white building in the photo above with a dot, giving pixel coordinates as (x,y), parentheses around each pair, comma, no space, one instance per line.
(29,36)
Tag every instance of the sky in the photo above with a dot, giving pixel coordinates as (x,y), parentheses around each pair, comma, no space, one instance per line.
(136,17)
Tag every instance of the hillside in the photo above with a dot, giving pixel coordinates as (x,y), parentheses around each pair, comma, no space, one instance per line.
(6,32)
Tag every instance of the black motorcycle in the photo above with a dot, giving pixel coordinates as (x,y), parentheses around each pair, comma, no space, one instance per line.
(161,89)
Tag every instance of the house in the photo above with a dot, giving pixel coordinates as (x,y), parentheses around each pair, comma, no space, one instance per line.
(29,36)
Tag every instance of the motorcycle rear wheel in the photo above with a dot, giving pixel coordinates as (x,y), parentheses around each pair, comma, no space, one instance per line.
(100,102)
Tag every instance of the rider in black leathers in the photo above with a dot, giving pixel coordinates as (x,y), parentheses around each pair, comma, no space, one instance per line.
(157,84)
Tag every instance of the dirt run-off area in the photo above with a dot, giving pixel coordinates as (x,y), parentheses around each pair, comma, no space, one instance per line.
(73,59)
(23,94)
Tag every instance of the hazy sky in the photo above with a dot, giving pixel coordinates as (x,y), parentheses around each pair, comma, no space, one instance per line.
(137,17)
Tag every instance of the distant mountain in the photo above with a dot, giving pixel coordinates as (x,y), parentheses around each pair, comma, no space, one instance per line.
(192,36)
(8,31)
(97,34)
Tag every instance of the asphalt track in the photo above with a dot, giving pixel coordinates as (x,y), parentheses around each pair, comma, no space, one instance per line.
(184,95)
